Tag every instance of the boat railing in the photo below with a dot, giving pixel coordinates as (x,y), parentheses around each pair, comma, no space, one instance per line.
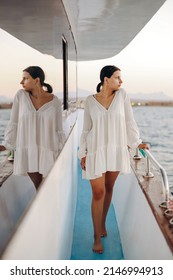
(149,174)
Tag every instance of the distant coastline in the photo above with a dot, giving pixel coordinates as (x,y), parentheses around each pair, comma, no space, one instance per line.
(81,101)
(154,99)
(6,105)
(151,103)
(138,99)
(135,102)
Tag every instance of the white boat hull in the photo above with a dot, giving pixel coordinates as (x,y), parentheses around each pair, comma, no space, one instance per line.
(46,230)
(140,234)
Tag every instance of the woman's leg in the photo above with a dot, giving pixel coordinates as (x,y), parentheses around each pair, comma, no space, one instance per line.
(110,178)
(36,178)
(98,194)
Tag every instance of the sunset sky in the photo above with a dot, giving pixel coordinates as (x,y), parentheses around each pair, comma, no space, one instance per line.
(146,63)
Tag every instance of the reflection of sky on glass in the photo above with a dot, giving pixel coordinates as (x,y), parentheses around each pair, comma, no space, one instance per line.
(146,63)
(16,56)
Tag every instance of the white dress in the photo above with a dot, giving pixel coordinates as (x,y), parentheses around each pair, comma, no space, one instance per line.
(106,135)
(35,135)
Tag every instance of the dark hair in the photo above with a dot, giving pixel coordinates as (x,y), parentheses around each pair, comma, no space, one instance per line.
(106,71)
(37,72)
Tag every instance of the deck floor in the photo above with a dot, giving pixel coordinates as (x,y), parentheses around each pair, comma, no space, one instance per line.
(83,229)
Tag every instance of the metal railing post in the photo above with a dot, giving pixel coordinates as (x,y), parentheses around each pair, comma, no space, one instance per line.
(148,174)
(137,155)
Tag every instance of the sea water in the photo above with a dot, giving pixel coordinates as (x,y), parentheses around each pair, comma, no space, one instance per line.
(155,125)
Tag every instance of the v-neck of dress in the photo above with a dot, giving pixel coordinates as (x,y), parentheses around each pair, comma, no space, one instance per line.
(106,109)
(30,101)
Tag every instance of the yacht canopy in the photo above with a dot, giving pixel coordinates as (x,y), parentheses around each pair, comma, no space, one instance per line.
(101,28)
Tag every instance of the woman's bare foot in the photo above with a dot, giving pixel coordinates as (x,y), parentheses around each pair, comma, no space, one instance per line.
(97,247)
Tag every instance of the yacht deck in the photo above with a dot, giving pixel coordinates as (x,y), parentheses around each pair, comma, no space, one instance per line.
(83,229)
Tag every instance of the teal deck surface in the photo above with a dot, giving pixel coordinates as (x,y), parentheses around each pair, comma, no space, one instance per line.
(83,229)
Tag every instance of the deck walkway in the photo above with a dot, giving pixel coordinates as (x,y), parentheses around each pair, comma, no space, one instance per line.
(83,229)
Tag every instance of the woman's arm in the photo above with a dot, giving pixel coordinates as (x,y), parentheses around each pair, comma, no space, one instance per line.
(87,125)
(133,135)
(59,126)
(11,130)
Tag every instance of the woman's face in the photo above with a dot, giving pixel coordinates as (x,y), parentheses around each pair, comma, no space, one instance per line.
(115,81)
(28,82)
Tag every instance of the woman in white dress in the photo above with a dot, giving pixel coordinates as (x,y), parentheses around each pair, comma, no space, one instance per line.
(109,129)
(35,129)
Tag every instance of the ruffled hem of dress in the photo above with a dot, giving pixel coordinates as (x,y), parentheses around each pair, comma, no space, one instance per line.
(35,159)
(99,162)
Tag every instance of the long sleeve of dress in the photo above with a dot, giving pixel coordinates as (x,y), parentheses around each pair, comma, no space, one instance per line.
(87,125)
(59,127)
(11,130)
(133,136)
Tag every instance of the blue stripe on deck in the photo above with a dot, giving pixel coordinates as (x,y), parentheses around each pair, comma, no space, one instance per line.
(83,228)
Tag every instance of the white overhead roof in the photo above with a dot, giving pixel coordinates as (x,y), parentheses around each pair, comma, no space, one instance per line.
(105,27)
(102,28)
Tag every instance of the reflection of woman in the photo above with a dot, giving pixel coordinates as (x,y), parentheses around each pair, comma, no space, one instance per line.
(109,128)
(35,127)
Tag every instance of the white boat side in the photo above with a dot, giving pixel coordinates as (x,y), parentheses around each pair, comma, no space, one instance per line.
(46,229)
(141,236)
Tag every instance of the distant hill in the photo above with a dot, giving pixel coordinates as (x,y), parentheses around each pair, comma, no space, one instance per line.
(83,92)
(4,99)
(158,96)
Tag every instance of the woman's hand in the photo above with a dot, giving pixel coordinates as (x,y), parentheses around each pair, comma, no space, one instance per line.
(144,146)
(82,163)
(2,148)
